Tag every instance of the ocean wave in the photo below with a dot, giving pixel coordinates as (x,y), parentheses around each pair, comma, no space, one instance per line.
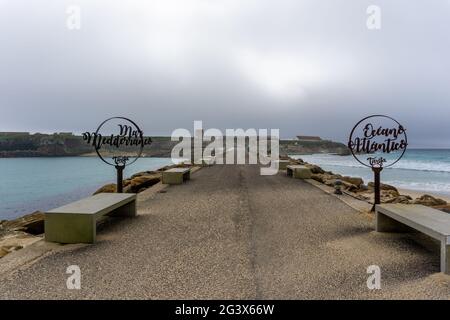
(405,164)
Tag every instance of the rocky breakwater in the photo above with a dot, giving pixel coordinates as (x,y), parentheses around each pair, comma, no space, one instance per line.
(356,187)
(19,233)
(140,181)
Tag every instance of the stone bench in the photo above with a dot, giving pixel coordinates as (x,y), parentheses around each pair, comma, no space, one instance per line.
(76,222)
(298,171)
(176,175)
(432,222)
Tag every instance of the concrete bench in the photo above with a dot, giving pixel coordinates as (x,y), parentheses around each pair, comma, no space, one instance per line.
(76,222)
(298,171)
(282,164)
(176,175)
(432,222)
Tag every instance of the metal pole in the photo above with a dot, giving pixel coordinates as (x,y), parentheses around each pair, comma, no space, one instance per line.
(120,178)
(377,186)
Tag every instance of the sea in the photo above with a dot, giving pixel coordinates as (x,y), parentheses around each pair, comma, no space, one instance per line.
(31,184)
(426,170)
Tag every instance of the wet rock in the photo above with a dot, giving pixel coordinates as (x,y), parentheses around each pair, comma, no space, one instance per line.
(429,201)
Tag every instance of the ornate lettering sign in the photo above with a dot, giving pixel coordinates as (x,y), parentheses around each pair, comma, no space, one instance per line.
(119,142)
(378,141)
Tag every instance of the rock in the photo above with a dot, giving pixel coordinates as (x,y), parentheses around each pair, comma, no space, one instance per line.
(382,186)
(16,240)
(352,188)
(353,180)
(108,188)
(144,173)
(388,196)
(445,208)
(296,161)
(31,223)
(323,177)
(3,252)
(363,187)
(400,199)
(315,169)
(429,201)
(140,183)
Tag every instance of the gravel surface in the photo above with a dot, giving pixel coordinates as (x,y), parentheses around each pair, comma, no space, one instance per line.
(230,233)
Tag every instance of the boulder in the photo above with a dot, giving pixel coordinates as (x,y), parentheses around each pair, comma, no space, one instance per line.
(363,188)
(315,169)
(382,186)
(31,223)
(353,180)
(297,161)
(16,240)
(400,199)
(107,188)
(388,196)
(141,183)
(3,252)
(323,177)
(430,201)
(445,208)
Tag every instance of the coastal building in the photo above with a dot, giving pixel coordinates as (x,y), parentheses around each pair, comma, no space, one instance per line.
(309,138)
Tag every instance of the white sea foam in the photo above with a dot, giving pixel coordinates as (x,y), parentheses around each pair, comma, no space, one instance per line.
(421,170)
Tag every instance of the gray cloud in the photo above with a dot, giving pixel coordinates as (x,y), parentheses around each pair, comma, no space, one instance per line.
(306,67)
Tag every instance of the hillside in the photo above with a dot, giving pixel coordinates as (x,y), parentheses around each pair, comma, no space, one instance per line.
(23,144)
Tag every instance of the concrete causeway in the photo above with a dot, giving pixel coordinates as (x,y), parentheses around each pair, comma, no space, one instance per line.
(230,233)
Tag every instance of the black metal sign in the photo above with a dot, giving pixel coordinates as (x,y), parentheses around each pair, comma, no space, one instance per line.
(118,141)
(378,142)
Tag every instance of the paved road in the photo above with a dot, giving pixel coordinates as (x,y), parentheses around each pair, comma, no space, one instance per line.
(230,233)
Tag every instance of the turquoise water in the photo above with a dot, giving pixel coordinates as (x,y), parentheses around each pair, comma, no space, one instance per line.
(30,184)
(425,170)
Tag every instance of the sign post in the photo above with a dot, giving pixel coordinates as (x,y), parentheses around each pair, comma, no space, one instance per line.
(116,141)
(377,186)
(378,142)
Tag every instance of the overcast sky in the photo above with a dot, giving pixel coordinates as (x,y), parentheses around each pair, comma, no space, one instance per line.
(307,67)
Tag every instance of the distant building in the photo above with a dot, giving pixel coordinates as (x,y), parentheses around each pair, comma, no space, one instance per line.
(14,133)
(309,138)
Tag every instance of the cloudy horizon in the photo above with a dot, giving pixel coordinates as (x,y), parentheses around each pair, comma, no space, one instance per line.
(305,67)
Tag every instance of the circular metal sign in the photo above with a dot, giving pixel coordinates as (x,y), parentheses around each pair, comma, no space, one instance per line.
(118,141)
(378,141)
